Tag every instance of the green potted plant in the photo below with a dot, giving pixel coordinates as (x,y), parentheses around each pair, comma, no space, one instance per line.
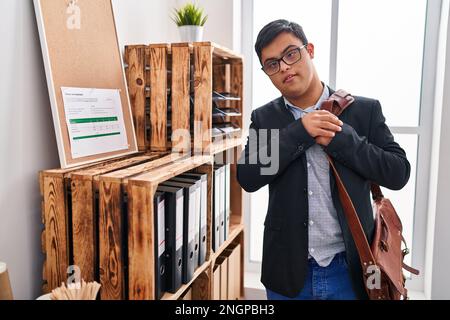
(190,20)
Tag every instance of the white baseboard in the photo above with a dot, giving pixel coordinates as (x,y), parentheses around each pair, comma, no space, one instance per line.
(416,295)
(254,289)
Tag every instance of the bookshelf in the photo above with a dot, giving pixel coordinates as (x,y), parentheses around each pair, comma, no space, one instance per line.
(100,216)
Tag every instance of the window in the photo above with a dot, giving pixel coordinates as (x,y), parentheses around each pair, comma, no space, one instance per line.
(385,61)
(371,48)
(318,32)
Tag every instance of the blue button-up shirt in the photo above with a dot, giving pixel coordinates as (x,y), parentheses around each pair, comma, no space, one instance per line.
(324,231)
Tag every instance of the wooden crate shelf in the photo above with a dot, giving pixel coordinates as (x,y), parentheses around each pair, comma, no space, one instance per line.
(99,217)
(85,206)
(184,77)
(201,272)
(225,144)
(112,212)
(141,190)
(57,245)
(235,231)
(229,260)
(231,155)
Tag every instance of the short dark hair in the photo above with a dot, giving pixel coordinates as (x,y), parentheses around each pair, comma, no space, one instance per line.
(275,28)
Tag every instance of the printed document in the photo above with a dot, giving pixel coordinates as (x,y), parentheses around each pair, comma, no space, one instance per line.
(94,120)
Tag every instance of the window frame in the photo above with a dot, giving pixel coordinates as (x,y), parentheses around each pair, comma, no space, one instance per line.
(423,131)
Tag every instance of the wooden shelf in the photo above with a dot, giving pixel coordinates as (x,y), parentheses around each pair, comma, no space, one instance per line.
(168,66)
(235,230)
(225,144)
(104,212)
(228,266)
(223,52)
(68,204)
(173,169)
(184,287)
(218,50)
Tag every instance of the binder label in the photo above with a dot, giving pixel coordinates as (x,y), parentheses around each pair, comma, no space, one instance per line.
(227,191)
(204,201)
(217,199)
(161,229)
(197,210)
(179,224)
(192,219)
(222,189)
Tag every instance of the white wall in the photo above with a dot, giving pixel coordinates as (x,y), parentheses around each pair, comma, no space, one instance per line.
(438,263)
(27,140)
(142,21)
(27,145)
(223,25)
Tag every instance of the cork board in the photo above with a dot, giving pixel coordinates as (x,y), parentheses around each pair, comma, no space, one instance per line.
(80,49)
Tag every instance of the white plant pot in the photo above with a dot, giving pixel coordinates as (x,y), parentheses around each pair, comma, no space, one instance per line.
(191,33)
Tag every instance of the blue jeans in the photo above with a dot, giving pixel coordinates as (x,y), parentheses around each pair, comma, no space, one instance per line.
(324,283)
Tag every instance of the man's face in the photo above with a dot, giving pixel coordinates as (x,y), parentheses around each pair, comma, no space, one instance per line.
(292,80)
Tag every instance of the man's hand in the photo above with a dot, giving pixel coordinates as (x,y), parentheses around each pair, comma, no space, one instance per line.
(322,126)
(323,141)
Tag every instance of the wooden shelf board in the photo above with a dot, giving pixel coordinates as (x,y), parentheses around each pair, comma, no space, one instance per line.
(225,144)
(225,52)
(235,230)
(67,172)
(124,174)
(171,170)
(218,50)
(184,287)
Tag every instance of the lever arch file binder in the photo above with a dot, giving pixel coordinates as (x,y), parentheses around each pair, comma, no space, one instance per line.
(203,178)
(190,258)
(174,236)
(160,244)
(227,201)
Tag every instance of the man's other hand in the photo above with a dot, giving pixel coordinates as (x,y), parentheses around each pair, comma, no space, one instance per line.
(322,126)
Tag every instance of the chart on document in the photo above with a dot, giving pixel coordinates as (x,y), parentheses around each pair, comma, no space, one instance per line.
(94,120)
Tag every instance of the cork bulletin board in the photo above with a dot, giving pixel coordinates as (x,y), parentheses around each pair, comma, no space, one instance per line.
(81,50)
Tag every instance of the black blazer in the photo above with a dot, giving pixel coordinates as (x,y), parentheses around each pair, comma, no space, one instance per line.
(363,151)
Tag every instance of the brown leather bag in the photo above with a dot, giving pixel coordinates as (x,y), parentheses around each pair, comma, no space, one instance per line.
(382,262)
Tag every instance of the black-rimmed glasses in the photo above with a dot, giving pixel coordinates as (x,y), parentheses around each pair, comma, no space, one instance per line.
(272,66)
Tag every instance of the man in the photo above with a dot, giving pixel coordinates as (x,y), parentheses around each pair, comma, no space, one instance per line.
(308,250)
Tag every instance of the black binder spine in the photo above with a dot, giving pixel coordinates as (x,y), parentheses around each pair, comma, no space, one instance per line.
(189,258)
(160,245)
(174,236)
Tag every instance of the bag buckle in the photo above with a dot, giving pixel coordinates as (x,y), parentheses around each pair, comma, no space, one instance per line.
(405,252)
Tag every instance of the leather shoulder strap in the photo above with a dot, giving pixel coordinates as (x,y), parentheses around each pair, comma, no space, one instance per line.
(336,104)
(354,224)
